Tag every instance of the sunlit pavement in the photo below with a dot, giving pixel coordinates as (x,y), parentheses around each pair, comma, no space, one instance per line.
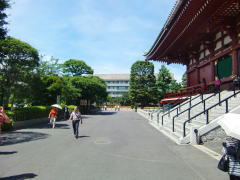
(111,146)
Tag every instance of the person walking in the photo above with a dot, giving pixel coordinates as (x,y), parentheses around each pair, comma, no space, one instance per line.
(53,116)
(75,117)
(66,112)
(232,150)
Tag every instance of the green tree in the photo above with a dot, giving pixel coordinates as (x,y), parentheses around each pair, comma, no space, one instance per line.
(69,93)
(92,88)
(49,67)
(125,99)
(184,80)
(143,88)
(16,58)
(165,82)
(4,4)
(175,86)
(75,67)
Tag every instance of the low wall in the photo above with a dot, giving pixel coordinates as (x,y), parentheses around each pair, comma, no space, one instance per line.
(29,123)
(217,133)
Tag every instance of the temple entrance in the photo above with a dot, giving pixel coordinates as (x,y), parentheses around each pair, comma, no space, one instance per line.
(224,67)
(238,62)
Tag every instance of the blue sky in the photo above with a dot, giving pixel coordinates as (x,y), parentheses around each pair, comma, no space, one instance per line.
(109,35)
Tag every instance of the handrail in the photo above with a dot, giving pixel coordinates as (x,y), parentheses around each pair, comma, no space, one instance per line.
(179,106)
(206,111)
(189,109)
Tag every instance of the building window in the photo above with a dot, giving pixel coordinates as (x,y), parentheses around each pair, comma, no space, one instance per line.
(218,45)
(201,55)
(227,40)
(207,52)
(218,35)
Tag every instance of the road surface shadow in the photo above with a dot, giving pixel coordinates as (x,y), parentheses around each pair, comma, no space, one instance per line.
(20,177)
(20,137)
(103,113)
(7,152)
(48,126)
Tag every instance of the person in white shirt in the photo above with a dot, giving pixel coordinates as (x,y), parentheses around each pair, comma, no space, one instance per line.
(75,117)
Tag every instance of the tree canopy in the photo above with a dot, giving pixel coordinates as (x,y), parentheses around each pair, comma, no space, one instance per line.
(143,88)
(165,82)
(4,4)
(17,58)
(75,67)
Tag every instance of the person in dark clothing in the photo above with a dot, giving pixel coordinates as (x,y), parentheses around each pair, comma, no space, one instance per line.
(231,148)
(203,85)
(66,112)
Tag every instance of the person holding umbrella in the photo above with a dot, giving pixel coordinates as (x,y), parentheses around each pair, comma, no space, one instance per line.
(53,116)
(231,125)
(75,117)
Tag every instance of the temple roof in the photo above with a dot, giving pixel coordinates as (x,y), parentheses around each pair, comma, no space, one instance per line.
(189,22)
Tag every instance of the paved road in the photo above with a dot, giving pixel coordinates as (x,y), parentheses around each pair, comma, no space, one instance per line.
(113,146)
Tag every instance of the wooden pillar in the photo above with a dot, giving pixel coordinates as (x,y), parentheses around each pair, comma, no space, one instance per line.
(232,31)
(198,76)
(188,79)
(213,70)
(234,62)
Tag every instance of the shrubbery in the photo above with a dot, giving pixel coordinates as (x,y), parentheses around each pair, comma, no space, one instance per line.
(34,112)
(27,113)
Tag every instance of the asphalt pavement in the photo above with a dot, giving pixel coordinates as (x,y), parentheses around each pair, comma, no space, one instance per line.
(111,146)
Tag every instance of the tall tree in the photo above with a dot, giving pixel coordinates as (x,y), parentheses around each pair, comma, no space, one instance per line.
(184,80)
(165,82)
(75,67)
(49,67)
(4,4)
(92,88)
(143,88)
(16,58)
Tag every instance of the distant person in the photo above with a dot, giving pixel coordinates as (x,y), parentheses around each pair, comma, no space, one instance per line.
(3,118)
(105,107)
(66,112)
(115,107)
(232,150)
(118,107)
(75,117)
(217,84)
(236,82)
(203,85)
(53,116)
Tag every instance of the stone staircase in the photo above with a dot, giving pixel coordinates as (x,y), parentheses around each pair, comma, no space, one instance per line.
(155,118)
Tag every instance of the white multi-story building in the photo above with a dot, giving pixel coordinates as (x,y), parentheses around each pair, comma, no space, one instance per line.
(117,84)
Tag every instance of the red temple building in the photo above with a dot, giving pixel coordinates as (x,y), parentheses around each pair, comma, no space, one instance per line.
(204,35)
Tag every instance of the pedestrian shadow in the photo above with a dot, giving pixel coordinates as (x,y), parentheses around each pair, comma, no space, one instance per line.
(7,152)
(20,137)
(20,177)
(83,136)
(62,126)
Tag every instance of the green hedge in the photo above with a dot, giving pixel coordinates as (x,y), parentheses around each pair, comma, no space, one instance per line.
(34,112)
(27,113)
(7,126)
